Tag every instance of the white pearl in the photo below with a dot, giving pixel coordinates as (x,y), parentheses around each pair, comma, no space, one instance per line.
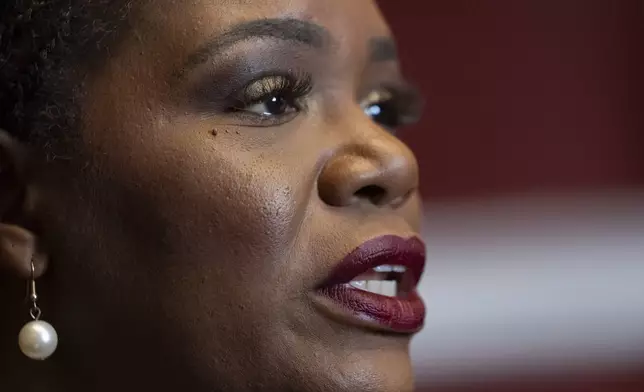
(38,340)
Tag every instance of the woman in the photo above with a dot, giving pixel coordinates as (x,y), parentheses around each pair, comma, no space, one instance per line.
(208,196)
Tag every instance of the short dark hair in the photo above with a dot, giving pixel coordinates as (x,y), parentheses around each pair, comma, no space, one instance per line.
(43,46)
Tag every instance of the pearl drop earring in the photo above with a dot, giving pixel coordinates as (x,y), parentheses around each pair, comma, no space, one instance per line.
(37,339)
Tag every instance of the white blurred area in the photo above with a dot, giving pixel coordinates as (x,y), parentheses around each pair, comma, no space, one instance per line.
(533,284)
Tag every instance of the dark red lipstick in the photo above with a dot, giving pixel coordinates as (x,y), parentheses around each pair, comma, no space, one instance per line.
(399,262)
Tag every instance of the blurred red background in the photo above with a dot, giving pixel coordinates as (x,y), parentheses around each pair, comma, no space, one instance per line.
(527,96)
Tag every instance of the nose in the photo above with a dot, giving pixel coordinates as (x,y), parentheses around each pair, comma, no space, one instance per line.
(379,169)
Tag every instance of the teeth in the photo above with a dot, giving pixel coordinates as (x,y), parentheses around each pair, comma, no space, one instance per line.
(388,288)
(359,284)
(390,268)
(374,286)
(384,268)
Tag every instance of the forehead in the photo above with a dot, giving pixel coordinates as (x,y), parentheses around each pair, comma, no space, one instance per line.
(351,23)
(226,11)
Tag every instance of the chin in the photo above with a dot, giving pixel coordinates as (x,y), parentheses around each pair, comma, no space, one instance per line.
(375,371)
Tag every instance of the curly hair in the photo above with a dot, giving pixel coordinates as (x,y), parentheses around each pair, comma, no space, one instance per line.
(45,46)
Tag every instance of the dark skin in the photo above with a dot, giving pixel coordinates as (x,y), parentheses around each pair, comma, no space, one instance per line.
(181,245)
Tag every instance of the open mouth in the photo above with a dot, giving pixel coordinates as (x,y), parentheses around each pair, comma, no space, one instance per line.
(386,280)
(375,285)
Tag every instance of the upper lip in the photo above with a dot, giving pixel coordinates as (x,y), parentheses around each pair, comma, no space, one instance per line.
(384,250)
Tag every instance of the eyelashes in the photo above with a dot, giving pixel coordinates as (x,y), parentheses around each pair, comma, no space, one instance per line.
(290,87)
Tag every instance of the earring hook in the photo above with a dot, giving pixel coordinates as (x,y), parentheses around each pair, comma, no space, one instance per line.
(34,312)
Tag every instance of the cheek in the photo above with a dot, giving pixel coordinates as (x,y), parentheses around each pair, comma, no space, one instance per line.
(203,228)
(211,202)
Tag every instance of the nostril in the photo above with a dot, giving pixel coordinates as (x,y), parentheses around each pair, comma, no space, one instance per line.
(373,193)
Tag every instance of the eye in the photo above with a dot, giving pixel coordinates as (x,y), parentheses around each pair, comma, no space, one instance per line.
(381,107)
(392,109)
(275,105)
(273,99)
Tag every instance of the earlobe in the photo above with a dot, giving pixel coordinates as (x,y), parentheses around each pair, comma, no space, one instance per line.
(12,165)
(17,244)
(12,154)
(18,250)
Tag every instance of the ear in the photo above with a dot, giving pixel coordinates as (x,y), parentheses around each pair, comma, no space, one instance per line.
(18,245)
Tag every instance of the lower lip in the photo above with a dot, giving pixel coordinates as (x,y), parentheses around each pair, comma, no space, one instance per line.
(400,315)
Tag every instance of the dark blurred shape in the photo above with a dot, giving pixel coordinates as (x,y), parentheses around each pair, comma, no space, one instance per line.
(525,95)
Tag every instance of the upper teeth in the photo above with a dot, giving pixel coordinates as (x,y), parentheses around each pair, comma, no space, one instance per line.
(387,288)
(379,284)
(390,268)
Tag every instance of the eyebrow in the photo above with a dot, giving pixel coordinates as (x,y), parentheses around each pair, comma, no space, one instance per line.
(295,30)
(382,49)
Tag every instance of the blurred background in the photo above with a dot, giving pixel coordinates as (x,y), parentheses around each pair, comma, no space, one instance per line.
(532,158)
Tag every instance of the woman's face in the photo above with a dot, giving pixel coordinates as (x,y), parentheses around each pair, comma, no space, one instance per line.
(232,154)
